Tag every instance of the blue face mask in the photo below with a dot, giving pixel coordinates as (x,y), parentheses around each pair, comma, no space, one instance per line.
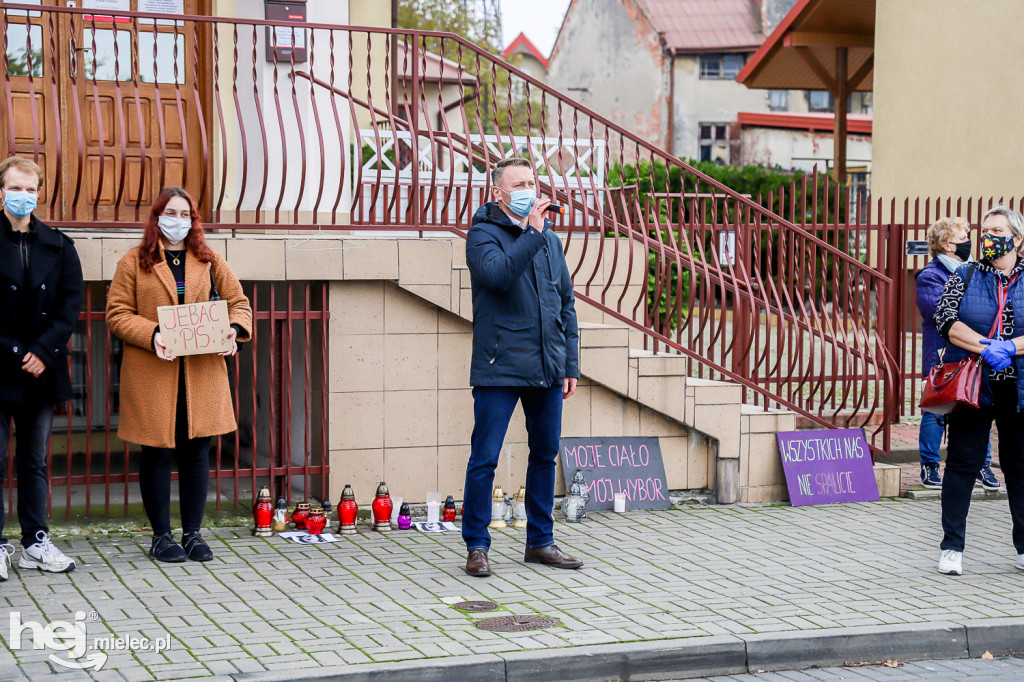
(19,204)
(520,201)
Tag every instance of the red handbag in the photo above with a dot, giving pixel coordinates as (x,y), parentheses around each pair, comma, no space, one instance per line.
(957,383)
(951,384)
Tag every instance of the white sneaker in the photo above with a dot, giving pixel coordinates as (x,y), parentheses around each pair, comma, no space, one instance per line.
(7,551)
(951,562)
(45,556)
(1020,562)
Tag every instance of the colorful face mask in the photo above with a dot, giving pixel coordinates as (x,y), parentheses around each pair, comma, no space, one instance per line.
(993,246)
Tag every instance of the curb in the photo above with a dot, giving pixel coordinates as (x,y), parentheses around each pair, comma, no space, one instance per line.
(840,646)
(976,494)
(696,657)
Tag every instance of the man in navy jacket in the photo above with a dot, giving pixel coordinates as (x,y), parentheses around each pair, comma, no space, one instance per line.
(525,350)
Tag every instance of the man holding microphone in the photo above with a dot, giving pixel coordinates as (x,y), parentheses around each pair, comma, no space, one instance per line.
(525,349)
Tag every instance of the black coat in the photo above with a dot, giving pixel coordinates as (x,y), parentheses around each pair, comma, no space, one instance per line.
(37,314)
(524,315)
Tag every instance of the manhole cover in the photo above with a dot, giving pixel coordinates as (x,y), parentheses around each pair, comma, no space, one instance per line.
(475,606)
(516,623)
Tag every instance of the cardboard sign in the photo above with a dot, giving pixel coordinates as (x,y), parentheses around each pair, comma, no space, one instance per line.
(628,465)
(825,467)
(195,328)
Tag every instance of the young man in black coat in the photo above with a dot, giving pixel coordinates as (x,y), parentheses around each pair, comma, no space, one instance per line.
(525,350)
(40,295)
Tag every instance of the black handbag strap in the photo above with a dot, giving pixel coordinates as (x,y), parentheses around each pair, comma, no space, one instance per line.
(214,294)
(970,273)
(967,283)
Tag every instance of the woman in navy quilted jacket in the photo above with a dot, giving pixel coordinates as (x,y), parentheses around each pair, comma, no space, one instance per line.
(981,312)
(950,246)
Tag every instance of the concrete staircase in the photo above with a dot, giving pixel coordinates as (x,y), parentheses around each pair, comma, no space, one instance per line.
(743,461)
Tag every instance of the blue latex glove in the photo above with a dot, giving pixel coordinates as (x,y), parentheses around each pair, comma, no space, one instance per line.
(999,354)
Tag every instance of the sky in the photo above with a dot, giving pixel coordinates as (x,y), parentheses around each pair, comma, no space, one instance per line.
(538,19)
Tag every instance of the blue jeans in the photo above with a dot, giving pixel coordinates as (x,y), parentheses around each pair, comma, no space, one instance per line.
(930,438)
(32,431)
(492,409)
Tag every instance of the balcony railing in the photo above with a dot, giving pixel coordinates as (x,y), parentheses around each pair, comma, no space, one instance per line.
(378,129)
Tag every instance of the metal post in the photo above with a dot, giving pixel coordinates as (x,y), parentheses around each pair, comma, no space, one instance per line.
(839,131)
(414,122)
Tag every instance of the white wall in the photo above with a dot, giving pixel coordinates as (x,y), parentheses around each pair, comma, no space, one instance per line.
(700,100)
(604,61)
(284,175)
(800,149)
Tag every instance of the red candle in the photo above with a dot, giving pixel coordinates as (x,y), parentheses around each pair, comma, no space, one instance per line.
(300,514)
(448,513)
(263,513)
(316,521)
(382,507)
(348,512)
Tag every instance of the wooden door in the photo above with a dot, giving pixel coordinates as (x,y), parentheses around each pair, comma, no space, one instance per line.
(134,86)
(31,103)
(129,98)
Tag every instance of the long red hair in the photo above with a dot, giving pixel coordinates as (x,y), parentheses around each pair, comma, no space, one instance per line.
(149,249)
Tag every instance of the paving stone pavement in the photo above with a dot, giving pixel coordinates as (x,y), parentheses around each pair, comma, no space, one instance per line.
(269,605)
(996,670)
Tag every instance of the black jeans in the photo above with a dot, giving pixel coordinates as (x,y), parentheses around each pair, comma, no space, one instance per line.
(193,459)
(968,443)
(32,432)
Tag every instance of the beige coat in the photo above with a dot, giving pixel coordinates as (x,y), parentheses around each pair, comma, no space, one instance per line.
(149,385)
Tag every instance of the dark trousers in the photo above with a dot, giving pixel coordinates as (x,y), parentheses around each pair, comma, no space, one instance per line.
(193,459)
(968,442)
(32,433)
(493,408)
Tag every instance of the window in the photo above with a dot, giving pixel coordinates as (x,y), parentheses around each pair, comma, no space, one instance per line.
(169,61)
(24,49)
(721,66)
(820,100)
(778,100)
(714,142)
(859,180)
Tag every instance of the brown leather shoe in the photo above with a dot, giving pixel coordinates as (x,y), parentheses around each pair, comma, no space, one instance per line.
(477,564)
(551,556)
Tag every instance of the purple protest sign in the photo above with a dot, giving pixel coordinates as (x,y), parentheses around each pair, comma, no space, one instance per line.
(824,467)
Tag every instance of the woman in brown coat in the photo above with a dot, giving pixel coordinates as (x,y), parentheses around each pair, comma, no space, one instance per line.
(171,406)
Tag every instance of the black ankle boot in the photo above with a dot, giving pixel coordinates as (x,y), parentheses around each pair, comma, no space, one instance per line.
(195,547)
(166,549)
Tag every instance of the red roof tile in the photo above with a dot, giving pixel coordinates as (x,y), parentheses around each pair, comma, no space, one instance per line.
(706,25)
(523,45)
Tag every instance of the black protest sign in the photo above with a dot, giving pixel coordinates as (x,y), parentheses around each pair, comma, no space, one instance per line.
(629,465)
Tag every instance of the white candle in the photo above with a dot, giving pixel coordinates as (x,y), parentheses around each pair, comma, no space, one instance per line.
(620,502)
(434,507)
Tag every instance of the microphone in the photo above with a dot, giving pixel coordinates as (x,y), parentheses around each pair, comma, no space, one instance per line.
(552,208)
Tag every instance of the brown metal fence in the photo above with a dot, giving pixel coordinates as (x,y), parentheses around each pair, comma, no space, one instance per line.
(279,389)
(393,130)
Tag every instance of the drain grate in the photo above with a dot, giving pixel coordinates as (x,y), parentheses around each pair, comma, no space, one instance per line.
(517,623)
(475,606)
